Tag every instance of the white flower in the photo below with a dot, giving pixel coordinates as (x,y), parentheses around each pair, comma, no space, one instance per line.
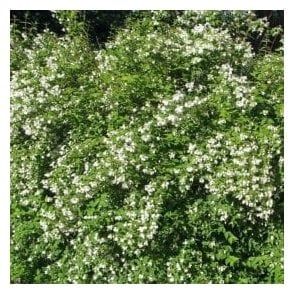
(189,169)
(85,189)
(165,102)
(146,138)
(179,109)
(142,229)
(172,118)
(125,186)
(221,121)
(224,216)
(240,103)
(143,157)
(149,188)
(28,130)
(198,29)
(191,148)
(176,171)
(160,121)
(178,96)
(189,86)
(195,60)
(74,200)
(165,184)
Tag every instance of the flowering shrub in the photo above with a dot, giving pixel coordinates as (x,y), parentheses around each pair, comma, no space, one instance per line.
(158,159)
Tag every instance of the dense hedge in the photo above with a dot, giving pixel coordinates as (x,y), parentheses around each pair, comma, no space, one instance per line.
(158,159)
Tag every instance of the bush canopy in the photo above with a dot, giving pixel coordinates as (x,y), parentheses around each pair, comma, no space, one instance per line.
(157,158)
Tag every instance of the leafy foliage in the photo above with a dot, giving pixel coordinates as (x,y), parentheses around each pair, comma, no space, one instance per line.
(158,159)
